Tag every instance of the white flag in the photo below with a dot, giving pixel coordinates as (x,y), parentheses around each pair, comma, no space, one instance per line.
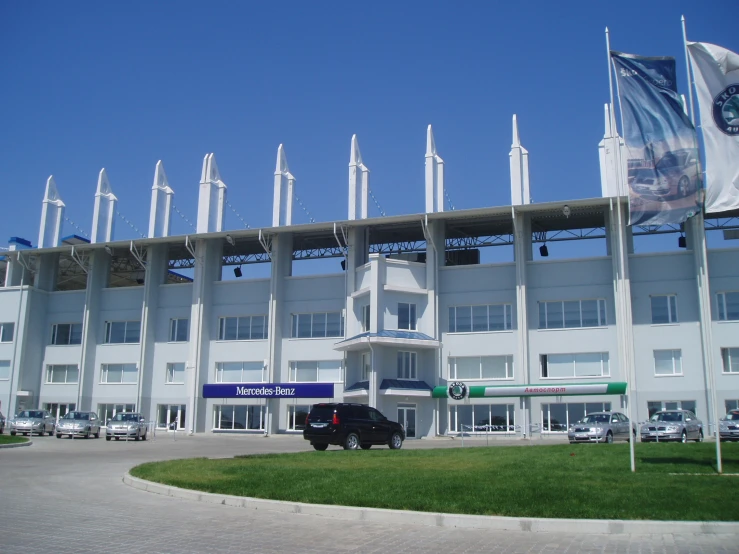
(716,71)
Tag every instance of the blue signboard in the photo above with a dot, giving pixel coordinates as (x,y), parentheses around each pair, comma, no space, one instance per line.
(269,390)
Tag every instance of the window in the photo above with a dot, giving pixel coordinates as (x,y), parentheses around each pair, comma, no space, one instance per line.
(119,373)
(109,411)
(570,314)
(58,410)
(6,332)
(120,332)
(366,365)
(62,374)
(658,406)
(365,318)
(728,306)
(668,362)
(251,327)
(236,418)
(178,329)
(589,364)
(407,365)
(66,333)
(556,418)
(731,405)
(296,417)
(240,372)
(318,325)
(730,357)
(482,418)
(175,373)
(481,367)
(664,309)
(315,372)
(4,370)
(171,416)
(480,319)
(406,316)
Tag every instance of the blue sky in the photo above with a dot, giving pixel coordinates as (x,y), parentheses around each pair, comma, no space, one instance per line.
(122,85)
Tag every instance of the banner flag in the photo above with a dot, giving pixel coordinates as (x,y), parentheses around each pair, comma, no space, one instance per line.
(663,164)
(716,72)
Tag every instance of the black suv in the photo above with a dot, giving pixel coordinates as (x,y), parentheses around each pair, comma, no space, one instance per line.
(351,426)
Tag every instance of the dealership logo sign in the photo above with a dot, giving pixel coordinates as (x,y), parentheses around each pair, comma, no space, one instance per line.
(457,390)
(269,390)
(726,110)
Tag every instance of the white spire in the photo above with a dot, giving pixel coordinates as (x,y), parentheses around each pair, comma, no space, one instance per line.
(161,204)
(282,207)
(607,149)
(434,175)
(520,193)
(358,183)
(103,216)
(52,215)
(211,198)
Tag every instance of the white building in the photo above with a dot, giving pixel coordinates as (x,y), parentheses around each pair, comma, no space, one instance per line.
(112,326)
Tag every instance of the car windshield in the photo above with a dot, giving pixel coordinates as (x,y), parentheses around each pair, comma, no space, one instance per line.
(126,417)
(596,418)
(77,415)
(732,416)
(672,159)
(667,416)
(31,413)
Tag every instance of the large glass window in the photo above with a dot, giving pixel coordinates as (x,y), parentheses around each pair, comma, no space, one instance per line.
(66,333)
(728,306)
(178,329)
(171,416)
(122,332)
(587,364)
(296,415)
(481,367)
(7,330)
(664,308)
(235,418)
(175,373)
(570,314)
(556,418)
(407,365)
(328,371)
(365,318)
(58,410)
(240,372)
(668,362)
(4,370)
(62,374)
(366,361)
(659,405)
(730,405)
(317,325)
(407,316)
(119,373)
(730,358)
(482,418)
(480,319)
(251,327)
(109,411)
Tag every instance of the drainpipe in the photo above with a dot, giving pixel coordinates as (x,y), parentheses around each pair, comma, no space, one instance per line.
(15,343)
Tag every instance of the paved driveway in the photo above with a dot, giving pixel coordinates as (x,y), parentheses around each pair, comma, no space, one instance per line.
(67,496)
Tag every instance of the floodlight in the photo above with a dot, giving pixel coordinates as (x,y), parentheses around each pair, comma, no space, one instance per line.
(230,240)
(108,250)
(682,242)
(237,271)
(543,250)
(566,211)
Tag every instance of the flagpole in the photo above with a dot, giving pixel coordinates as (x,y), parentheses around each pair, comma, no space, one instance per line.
(621,265)
(687,69)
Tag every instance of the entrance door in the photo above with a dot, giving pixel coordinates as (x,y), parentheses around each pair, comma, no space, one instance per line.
(171,416)
(407,418)
(58,410)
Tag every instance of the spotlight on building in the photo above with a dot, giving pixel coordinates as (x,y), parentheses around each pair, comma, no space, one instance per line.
(230,240)
(343,265)
(682,242)
(108,250)
(543,250)
(566,211)
(237,271)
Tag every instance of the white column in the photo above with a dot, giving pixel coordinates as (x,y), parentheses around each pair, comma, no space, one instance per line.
(212,197)
(103,216)
(434,176)
(282,208)
(519,170)
(607,149)
(522,255)
(359,176)
(161,204)
(52,215)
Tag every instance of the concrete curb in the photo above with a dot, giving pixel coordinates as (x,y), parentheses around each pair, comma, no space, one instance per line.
(492,523)
(17,444)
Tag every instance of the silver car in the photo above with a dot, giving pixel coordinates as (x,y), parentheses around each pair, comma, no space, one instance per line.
(126,425)
(29,422)
(82,424)
(728,426)
(2,423)
(672,425)
(600,427)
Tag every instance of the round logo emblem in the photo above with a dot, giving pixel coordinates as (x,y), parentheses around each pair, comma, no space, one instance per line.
(726,110)
(457,390)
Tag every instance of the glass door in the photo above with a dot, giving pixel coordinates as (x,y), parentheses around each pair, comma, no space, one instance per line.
(407,418)
(171,416)
(59,410)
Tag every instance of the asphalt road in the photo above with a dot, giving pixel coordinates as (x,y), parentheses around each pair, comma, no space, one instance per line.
(67,496)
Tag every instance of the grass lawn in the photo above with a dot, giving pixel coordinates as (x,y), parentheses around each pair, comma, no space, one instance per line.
(7,439)
(562,481)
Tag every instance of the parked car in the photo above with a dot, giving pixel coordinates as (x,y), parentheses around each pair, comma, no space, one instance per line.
(728,426)
(127,425)
(672,425)
(2,423)
(601,427)
(29,422)
(83,424)
(352,426)
(676,175)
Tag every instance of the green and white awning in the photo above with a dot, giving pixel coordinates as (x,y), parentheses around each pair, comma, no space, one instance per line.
(459,390)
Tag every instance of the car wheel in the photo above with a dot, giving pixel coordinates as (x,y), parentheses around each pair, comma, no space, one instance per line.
(143,437)
(609,438)
(320,446)
(87,434)
(51,433)
(700,436)
(684,437)
(136,438)
(59,435)
(12,433)
(683,186)
(97,435)
(107,438)
(351,442)
(396,441)
(366,446)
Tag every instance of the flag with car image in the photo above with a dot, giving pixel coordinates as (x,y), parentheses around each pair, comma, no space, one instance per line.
(661,148)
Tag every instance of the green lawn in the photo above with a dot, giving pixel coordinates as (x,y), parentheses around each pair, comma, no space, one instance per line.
(563,481)
(7,439)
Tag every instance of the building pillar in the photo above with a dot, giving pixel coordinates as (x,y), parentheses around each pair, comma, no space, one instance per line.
(522,254)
